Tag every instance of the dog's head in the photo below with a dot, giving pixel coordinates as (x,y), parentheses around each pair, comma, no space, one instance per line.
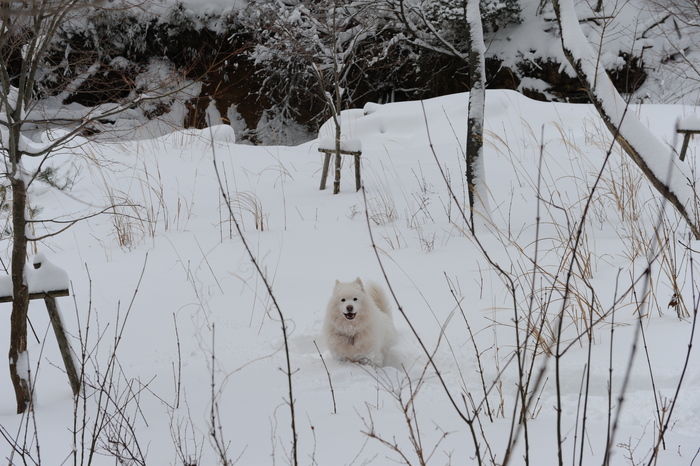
(349,298)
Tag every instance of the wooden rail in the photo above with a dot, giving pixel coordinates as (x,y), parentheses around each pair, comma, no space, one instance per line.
(39,295)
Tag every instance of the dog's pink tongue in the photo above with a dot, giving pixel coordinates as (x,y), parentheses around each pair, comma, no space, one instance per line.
(350,315)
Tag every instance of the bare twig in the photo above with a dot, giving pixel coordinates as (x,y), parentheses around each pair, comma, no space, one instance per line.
(178,376)
(466,418)
(330,382)
(696,303)
(268,286)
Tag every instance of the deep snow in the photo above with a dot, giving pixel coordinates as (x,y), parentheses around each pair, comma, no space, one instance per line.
(184,303)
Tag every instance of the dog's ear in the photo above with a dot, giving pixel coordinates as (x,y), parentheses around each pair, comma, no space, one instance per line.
(337,282)
(359,282)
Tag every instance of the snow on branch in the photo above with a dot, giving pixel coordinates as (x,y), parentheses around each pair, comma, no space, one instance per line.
(668,175)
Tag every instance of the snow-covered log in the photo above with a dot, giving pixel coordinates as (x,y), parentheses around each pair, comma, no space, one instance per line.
(667,174)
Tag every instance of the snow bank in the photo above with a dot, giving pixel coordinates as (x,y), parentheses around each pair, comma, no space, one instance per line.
(403,123)
(198,278)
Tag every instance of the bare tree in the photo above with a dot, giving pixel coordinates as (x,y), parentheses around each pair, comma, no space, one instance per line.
(321,39)
(421,24)
(25,37)
(475,119)
(35,123)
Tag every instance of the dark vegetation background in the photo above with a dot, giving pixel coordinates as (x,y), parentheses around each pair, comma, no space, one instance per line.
(261,80)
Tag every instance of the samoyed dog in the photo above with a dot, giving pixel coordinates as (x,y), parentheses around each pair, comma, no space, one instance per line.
(358,325)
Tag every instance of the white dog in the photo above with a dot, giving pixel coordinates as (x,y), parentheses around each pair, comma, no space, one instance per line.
(358,325)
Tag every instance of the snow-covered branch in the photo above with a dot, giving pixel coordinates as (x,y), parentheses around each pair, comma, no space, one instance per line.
(673,180)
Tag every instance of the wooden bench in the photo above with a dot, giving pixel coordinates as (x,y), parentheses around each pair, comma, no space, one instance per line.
(49,297)
(326,164)
(328,147)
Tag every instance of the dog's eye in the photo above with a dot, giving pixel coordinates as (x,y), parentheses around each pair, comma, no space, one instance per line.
(342,300)
(354,299)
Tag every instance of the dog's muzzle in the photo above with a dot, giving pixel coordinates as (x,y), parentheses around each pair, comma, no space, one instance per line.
(348,312)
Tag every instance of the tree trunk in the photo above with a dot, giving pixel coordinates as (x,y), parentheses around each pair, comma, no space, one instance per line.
(475,118)
(63,344)
(20,304)
(336,182)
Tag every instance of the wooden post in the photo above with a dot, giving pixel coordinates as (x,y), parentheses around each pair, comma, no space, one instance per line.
(358,182)
(324,173)
(60,332)
(687,134)
(63,344)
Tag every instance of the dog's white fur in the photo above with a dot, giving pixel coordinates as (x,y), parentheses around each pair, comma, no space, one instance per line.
(358,326)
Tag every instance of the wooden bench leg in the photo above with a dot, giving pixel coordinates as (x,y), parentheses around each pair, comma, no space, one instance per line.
(324,173)
(358,182)
(686,140)
(63,344)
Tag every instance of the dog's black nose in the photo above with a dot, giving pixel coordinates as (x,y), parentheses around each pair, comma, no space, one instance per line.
(349,308)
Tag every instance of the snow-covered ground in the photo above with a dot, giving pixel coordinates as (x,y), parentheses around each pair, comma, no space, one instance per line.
(199,347)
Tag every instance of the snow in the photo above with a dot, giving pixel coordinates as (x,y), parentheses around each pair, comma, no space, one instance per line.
(689,123)
(23,366)
(536,85)
(10,99)
(659,158)
(47,276)
(183,305)
(346,144)
(6,286)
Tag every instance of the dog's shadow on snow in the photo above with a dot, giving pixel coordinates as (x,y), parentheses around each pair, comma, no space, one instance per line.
(400,361)
(393,359)
(401,357)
